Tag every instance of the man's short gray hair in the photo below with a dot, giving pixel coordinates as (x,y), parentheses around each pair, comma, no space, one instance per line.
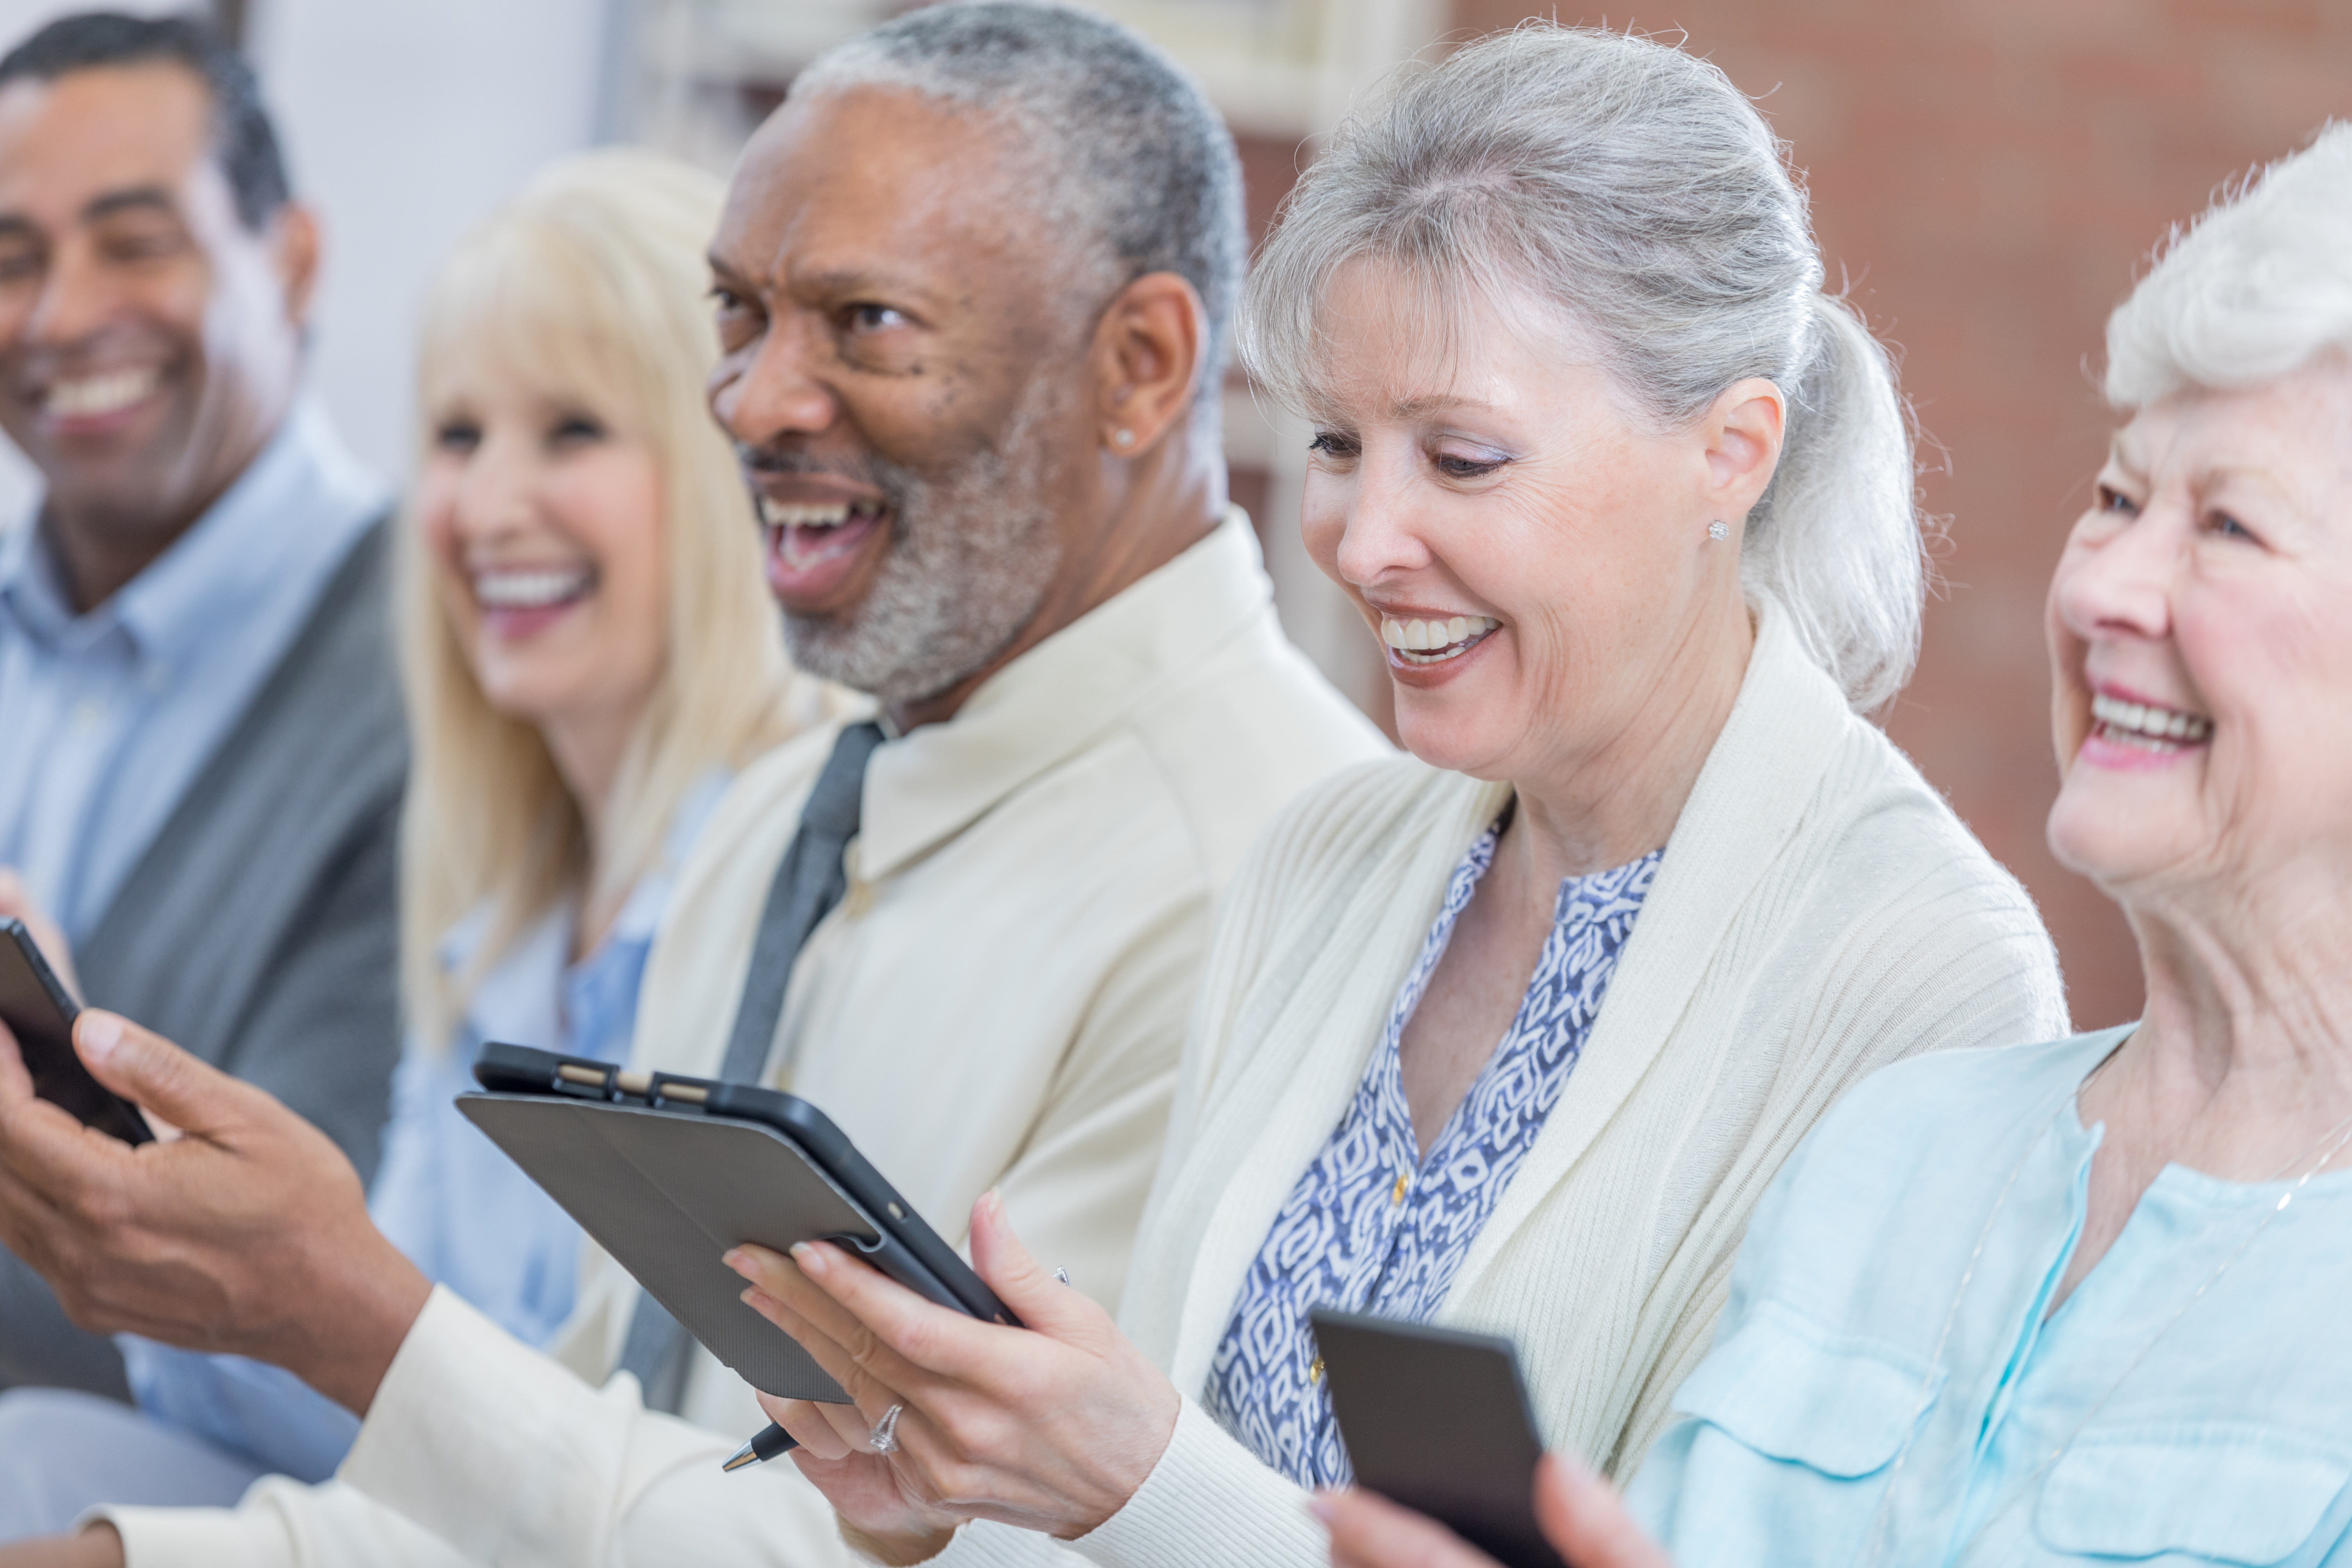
(1129,163)
(1631,190)
(2261,286)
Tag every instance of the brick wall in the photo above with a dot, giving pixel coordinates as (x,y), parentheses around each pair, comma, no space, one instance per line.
(1990,175)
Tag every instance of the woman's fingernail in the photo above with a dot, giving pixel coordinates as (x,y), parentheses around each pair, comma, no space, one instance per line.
(811,1261)
(1319,1505)
(99,1034)
(733,1257)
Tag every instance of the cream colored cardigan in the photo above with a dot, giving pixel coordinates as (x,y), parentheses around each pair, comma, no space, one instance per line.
(1819,912)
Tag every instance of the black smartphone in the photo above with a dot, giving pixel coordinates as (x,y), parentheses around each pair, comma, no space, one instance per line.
(39,1011)
(1439,1421)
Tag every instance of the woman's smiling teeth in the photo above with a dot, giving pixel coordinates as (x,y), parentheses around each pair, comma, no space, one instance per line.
(2147,726)
(531,587)
(1435,641)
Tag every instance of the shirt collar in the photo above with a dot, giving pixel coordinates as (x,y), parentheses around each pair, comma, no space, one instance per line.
(32,593)
(303,498)
(1050,702)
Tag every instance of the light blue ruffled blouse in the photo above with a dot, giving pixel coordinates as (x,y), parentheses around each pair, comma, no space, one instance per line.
(445,1195)
(1888,1386)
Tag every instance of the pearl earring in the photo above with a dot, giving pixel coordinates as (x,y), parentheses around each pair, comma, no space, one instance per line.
(1718,531)
(1124,437)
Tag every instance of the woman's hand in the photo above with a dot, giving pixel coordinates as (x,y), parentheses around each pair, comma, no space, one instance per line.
(1049,1427)
(1580,1513)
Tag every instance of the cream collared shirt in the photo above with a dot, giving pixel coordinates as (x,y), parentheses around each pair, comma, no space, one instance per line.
(999,1000)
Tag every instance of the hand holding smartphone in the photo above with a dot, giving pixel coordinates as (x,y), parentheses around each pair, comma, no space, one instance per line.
(1439,1421)
(39,1011)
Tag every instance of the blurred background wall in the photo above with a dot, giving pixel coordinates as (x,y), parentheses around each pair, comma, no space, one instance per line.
(1986,179)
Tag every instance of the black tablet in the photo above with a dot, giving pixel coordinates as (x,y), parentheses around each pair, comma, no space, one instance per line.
(40,1011)
(668,1172)
(1439,1421)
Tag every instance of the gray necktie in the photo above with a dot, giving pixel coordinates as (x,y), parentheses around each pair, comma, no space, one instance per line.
(811,881)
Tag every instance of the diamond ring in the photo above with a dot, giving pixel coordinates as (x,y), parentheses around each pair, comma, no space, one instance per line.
(885,1435)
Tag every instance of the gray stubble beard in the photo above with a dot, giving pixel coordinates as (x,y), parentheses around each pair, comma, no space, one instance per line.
(970,558)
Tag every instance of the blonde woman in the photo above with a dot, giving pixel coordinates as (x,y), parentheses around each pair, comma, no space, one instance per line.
(589,652)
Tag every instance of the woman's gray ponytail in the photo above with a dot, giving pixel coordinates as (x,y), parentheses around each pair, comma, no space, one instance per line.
(1634,189)
(1836,538)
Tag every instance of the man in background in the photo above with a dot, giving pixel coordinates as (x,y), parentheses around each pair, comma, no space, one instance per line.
(201,742)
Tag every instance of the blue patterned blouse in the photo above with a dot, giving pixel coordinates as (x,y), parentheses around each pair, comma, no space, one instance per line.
(1372,1227)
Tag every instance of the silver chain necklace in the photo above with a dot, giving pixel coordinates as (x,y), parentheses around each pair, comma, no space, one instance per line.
(2336,1139)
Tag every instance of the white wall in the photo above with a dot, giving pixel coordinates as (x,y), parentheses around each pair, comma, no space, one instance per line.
(406,124)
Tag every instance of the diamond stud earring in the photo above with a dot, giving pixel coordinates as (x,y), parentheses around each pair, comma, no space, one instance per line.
(1124,437)
(1718,531)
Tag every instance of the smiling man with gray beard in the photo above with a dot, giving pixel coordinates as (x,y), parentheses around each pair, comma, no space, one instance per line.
(972,284)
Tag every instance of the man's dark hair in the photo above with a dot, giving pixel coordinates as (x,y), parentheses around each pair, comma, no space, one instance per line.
(243,143)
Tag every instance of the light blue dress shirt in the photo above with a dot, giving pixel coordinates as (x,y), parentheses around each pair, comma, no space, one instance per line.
(107,717)
(445,1195)
(1371,1227)
(1887,1385)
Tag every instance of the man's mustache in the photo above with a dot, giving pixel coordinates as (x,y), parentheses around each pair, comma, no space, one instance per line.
(785,460)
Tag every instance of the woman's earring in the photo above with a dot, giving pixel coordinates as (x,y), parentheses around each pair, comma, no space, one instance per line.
(1718,530)
(1124,437)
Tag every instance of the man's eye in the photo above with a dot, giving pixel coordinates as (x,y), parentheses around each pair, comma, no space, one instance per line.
(458,437)
(2228,527)
(2114,500)
(149,244)
(875,317)
(1331,444)
(19,264)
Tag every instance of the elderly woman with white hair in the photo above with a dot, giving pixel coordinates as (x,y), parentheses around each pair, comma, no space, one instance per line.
(2084,1301)
(1513,1033)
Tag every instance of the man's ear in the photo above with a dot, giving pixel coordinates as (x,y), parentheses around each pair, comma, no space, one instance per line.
(294,253)
(1147,355)
(1743,430)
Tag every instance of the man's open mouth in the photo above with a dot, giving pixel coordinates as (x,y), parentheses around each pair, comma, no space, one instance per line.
(96,397)
(811,545)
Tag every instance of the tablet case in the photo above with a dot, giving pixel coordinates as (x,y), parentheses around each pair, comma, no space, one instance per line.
(668,1189)
(1438,1420)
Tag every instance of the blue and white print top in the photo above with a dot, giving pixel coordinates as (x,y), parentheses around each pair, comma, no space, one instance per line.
(1371,1227)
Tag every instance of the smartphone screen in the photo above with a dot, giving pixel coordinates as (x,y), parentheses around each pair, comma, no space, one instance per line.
(1439,1421)
(39,1011)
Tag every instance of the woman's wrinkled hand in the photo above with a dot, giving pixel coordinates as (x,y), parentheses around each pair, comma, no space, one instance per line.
(1050,1428)
(1580,1513)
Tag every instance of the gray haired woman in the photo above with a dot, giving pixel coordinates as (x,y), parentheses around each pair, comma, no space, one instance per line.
(1513,1033)
(2084,1301)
